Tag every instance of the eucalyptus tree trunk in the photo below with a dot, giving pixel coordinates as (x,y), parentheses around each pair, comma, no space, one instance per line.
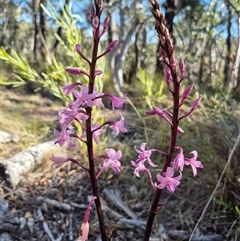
(118,56)
(42,29)
(171,12)
(139,46)
(59,31)
(121,56)
(35,7)
(5,33)
(236,68)
(227,74)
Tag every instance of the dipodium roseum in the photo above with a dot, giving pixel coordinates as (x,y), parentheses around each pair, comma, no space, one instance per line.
(64,136)
(81,115)
(140,167)
(83,98)
(178,162)
(167,180)
(118,126)
(193,162)
(144,154)
(117,102)
(71,113)
(112,160)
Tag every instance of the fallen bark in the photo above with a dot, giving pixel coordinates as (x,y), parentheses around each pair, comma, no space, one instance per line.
(7,137)
(14,168)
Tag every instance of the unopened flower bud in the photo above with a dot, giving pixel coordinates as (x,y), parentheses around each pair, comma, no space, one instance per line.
(105,25)
(106,22)
(109,48)
(96,22)
(78,48)
(85,226)
(195,104)
(173,61)
(92,13)
(180,130)
(112,45)
(182,66)
(185,94)
(168,76)
(75,70)
(98,72)
(79,51)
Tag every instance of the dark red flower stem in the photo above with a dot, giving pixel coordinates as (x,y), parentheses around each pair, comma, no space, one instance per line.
(169,51)
(154,207)
(92,171)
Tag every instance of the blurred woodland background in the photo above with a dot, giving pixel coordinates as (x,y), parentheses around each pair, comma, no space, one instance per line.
(38,38)
(38,42)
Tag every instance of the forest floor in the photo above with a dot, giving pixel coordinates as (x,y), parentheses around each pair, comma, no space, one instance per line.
(39,198)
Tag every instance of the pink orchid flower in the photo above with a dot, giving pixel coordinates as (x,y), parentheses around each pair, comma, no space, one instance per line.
(144,155)
(83,98)
(178,162)
(64,136)
(69,114)
(118,126)
(167,180)
(112,160)
(117,102)
(141,167)
(68,89)
(193,162)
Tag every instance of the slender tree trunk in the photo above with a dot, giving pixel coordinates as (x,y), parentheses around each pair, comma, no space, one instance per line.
(197,78)
(42,28)
(138,46)
(144,46)
(110,29)
(171,12)
(200,73)
(122,21)
(117,57)
(120,58)
(236,68)
(159,67)
(5,24)
(110,25)
(35,7)
(227,74)
(238,79)
(59,31)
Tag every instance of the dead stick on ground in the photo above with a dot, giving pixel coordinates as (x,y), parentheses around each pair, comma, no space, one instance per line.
(62,206)
(71,227)
(113,195)
(46,228)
